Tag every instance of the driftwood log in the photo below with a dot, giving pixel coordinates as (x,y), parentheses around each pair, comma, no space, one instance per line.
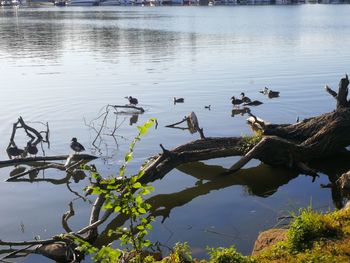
(293,146)
(290,145)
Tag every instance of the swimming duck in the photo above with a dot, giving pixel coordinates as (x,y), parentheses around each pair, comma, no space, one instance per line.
(270,93)
(31,149)
(132,100)
(207,107)
(264,91)
(179,100)
(253,103)
(76,146)
(244,98)
(236,102)
(273,94)
(14,151)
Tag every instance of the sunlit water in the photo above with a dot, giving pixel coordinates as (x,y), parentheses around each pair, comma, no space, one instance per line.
(63,65)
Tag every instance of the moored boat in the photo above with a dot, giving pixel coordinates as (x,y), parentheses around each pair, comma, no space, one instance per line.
(83,3)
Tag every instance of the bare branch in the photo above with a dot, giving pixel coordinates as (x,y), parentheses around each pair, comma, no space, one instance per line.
(66,216)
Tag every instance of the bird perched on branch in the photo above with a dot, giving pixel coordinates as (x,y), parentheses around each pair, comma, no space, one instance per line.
(76,146)
(132,100)
(31,149)
(14,151)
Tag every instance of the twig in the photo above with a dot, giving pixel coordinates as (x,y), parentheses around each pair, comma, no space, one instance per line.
(15,252)
(76,193)
(29,129)
(97,223)
(331,92)
(307,170)
(177,123)
(66,216)
(102,126)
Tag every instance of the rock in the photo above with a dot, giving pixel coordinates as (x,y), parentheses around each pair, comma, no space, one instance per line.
(344,181)
(269,238)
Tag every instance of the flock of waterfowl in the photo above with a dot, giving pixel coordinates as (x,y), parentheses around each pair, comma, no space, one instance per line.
(31,149)
(246,101)
(236,102)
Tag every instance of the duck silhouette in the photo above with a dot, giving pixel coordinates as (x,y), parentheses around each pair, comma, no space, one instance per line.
(76,146)
(264,91)
(31,149)
(236,102)
(132,100)
(179,100)
(273,94)
(14,151)
(270,93)
(207,107)
(244,98)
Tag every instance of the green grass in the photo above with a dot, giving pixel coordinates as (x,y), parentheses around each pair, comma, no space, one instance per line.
(311,238)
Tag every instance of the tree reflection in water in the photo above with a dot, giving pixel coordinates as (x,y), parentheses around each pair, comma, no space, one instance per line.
(262,181)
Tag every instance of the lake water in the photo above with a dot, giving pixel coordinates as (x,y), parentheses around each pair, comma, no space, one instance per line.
(63,65)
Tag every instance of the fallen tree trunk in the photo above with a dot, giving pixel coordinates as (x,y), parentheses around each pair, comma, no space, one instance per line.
(290,145)
(203,149)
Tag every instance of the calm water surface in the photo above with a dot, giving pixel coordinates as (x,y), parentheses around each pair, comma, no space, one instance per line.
(63,65)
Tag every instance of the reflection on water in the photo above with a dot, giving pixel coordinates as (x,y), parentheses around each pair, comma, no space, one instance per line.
(133,119)
(47,35)
(63,65)
(261,180)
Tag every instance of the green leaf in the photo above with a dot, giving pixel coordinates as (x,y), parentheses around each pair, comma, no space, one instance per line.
(142,210)
(128,157)
(137,185)
(140,227)
(142,129)
(139,200)
(117,209)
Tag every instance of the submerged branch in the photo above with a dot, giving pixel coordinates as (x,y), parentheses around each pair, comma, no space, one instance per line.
(87,157)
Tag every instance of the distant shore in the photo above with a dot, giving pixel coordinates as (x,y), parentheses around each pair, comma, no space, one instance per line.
(164,2)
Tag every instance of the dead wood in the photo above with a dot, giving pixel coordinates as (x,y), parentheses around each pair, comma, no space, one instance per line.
(191,152)
(290,145)
(192,124)
(66,216)
(27,160)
